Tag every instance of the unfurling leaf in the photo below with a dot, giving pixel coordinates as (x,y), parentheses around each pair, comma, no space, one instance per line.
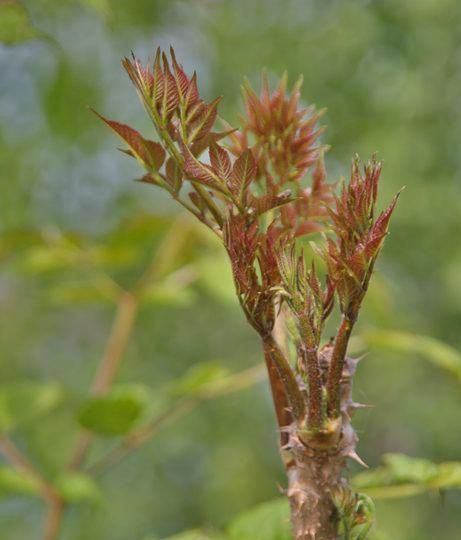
(151,154)
(198,171)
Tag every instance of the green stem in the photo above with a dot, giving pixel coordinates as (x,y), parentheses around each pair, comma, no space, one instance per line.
(336,366)
(315,387)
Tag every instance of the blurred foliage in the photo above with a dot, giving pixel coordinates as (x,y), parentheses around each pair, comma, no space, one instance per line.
(15,24)
(388,72)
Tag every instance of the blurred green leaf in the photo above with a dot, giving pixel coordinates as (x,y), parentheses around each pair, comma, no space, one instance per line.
(433,350)
(50,258)
(216,277)
(22,401)
(268,521)
(113,414)
(407,469)
(15,23)
(193,535)
(75,292)
(14,242)
(66,100)
(404,476)
(168,295)
(198,378)
(77,487)
(16,482)
(101,7)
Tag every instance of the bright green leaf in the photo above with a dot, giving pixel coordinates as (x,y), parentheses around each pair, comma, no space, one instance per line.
(22,401)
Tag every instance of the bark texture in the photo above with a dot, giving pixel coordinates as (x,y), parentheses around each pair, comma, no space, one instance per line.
(313,478)
(315,463)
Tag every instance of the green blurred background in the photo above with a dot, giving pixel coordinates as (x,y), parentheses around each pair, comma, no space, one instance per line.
(389,73)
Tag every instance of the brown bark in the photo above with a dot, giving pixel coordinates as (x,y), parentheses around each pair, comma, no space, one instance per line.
(313,478)
(318,458)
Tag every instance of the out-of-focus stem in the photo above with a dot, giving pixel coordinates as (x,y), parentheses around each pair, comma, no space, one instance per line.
(115,348)
(117,342)
(53,519)
(52,498)
(141,435)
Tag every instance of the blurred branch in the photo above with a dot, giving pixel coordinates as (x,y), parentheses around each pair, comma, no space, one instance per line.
(52,498)
(115,348)
(171,246)
(135,439)
(105,282)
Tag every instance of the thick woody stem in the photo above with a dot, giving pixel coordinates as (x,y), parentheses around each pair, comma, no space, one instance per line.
(312,482)
(315,471)
(336,366)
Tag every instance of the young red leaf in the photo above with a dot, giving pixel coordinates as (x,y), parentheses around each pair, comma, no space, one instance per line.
(268,202)
(173,174)
(243,172)
(382,223)
(191,96)
(198,171)
(220,161)
(158,83)
(150,153)
(182,81)
(170,98)
(140,76)
(203,121)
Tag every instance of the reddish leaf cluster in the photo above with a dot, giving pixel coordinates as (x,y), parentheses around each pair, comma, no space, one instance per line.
(309,302)
(358,236)
(251,193)
(284,140)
